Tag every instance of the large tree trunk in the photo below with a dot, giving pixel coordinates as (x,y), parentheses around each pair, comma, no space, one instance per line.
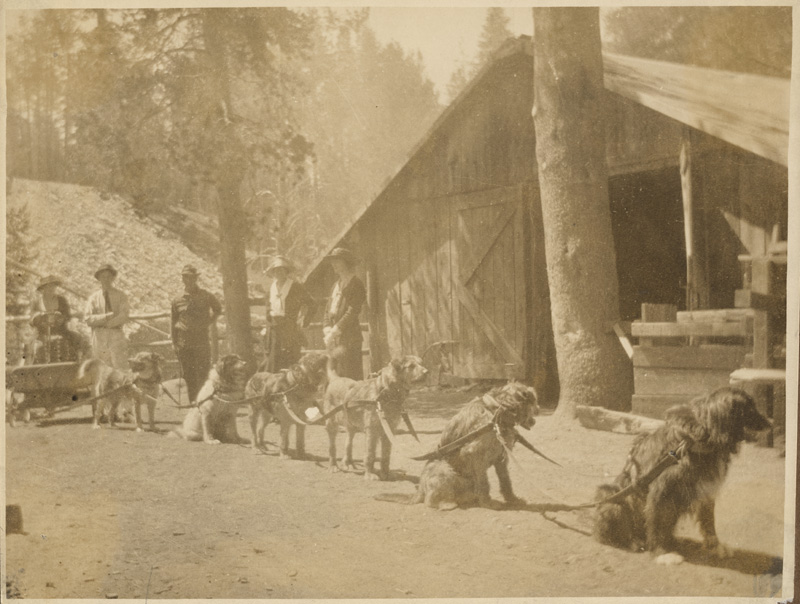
(569,119)
(228,175)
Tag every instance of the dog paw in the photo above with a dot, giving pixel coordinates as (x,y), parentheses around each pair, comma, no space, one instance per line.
(334,469)
(140,430)
(212,441)
(670,559)
(371,476)
(95,426)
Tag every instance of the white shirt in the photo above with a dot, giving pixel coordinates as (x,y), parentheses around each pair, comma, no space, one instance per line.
(277,298)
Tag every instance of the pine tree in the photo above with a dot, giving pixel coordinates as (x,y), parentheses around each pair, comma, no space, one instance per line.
(495,32)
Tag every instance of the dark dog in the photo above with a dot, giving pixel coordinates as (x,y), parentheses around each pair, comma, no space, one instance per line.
(143,386)
(461,479)
(712,429)
(299,385)
(360,413)
(213,420)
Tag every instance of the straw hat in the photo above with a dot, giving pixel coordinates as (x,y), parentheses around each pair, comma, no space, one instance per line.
(49,279)
(343,254)
(280,262)
(105,267)
(189,270)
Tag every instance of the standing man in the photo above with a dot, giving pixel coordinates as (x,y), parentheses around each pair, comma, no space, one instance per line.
(287,313)
(106,313)
(194,333)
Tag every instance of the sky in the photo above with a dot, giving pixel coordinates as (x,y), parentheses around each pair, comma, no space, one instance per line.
(444,36)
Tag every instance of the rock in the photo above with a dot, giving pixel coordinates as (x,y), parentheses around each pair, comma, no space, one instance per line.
(111,596)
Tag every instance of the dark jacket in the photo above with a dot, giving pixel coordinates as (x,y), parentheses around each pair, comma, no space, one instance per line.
(354,296)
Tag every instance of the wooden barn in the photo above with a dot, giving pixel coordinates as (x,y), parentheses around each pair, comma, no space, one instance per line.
(452,247)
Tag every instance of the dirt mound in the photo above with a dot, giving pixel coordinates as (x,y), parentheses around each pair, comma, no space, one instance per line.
(78,228)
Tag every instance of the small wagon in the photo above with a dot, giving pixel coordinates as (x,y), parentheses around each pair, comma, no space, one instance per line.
(50,387)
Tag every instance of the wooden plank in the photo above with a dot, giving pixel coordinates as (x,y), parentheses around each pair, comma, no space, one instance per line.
(714,315)
(598,418)
(419,289)
(482,242)
(668,330)
(764,376)
(659,380)
(655,405)
(489,328)
(720,103)
(708,356)
(443,270)
(656,313)
(623,339)
(522,275)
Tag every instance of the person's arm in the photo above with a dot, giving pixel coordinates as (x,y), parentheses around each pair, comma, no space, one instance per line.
(120,314)
(354,299)
(92,318)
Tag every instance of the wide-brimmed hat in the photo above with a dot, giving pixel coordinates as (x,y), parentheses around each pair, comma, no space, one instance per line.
(189,270)
(48,280)
(280,262)
(105,267)
(343,254)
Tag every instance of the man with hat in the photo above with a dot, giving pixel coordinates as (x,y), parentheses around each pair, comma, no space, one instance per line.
(341,327)
(194,319)
(50,314)
(106,313)
(288,306)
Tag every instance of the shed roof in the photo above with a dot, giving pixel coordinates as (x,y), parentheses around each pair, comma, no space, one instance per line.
(720,103)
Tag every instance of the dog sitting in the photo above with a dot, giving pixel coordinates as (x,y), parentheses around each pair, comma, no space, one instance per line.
(213,420)
(143,385)
(299,384)
(712,429)
(461,478)
(390,389)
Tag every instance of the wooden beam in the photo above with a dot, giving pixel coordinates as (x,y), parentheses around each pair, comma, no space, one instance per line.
(668,330)
(598,418)
(487,325)
(707,356)
(719,103)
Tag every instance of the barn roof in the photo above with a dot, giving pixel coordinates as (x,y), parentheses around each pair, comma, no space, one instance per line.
(746,110)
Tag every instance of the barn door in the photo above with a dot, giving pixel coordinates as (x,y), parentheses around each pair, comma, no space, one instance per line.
(489,284)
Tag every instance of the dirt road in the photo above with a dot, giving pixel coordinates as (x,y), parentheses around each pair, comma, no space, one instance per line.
(113,512)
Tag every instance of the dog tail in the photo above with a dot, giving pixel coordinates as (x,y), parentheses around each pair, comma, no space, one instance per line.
(403,498)
(89,368)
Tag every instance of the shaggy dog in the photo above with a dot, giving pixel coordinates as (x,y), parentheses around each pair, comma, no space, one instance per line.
(461,479)
(213,420)
(712,429)
(361,414)
(299,385)
(143,385)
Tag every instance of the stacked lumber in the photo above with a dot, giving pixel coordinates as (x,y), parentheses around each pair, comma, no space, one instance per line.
(689,356)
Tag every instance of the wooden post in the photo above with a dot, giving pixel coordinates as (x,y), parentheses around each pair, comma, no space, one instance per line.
(688,218)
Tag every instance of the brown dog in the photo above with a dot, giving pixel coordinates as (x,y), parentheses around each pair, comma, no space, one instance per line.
(142,384)
(363,402)
(461,478)
(299,385)
(213,420)
(712,429)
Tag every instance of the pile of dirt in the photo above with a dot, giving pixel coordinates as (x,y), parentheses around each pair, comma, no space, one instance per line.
(79,228)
